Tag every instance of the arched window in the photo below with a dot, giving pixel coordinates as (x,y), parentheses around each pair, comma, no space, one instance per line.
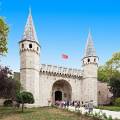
(94,60)
(88,60)
(37,48)
(22,45)
(30,45)
(83,61)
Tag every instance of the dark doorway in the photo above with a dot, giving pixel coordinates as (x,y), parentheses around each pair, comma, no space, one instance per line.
(58,95)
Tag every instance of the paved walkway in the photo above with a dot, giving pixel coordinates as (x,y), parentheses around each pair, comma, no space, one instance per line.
(108,113)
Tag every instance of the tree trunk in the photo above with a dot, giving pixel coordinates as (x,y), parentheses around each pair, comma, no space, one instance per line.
(22,106)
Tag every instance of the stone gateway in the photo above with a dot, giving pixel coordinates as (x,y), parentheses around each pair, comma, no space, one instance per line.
(50,83)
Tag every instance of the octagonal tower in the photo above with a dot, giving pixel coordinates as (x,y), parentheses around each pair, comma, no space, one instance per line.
(29,59)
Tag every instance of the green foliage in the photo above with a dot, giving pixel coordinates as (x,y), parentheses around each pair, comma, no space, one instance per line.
(111,108)
(103,74)
(110,118)
(18,86)
(101,116)
(79,112)
(24,97)
(4,29)
(114,62)
(110,69)
(97,115)
(110,72)
(8,86)
(42,113)
(114,84)
(8,103)
(117,102)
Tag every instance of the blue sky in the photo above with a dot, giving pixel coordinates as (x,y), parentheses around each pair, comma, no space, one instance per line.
(62,27)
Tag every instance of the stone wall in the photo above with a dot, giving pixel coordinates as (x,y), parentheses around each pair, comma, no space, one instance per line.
(47,81)
(104,95)
(2,101)
(46,88)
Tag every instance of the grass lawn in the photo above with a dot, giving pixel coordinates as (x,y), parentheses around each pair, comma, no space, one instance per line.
(111,108)
(46,113)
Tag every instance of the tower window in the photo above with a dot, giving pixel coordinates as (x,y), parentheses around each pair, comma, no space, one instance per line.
(22,45)
(30,45)
(94,60)
(88,60)
(37,48)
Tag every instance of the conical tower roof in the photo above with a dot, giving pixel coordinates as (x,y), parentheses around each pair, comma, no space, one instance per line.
(89,49)
(29,31)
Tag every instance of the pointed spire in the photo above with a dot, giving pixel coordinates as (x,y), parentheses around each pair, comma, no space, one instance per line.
(30,13)
(29,31)
(90,49)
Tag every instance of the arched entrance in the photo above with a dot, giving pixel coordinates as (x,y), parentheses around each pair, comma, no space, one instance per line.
(58,95)
(61,90)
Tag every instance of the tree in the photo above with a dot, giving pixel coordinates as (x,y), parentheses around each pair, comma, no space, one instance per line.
(8,86)
(114,62)
(4,29)
(103,74)
(110,72)
(111,69)
(117,102)
(24,97)
(114,84)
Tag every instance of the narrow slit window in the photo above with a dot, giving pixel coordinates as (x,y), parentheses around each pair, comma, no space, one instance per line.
(37,49)
(30,45)
(88,60)
(94,60)
(22,45)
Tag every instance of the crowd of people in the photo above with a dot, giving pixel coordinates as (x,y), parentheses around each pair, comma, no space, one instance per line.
(77,104)
(65,104)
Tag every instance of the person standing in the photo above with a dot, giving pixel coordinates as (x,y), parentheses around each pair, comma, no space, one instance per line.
(90,106)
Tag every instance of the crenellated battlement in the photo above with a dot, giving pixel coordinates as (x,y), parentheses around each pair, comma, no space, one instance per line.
(56,70)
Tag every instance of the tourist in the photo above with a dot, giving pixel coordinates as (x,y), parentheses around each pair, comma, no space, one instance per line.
(75,104)
(68,103)
(86,105)
(90,106)
(82,104)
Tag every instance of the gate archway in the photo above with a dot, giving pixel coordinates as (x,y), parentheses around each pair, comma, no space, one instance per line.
(61,90)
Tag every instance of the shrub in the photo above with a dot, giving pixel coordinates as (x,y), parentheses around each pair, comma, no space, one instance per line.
(8,103)
(24,97)
(117,102)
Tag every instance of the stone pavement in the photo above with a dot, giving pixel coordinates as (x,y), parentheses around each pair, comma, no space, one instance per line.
(113,114)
